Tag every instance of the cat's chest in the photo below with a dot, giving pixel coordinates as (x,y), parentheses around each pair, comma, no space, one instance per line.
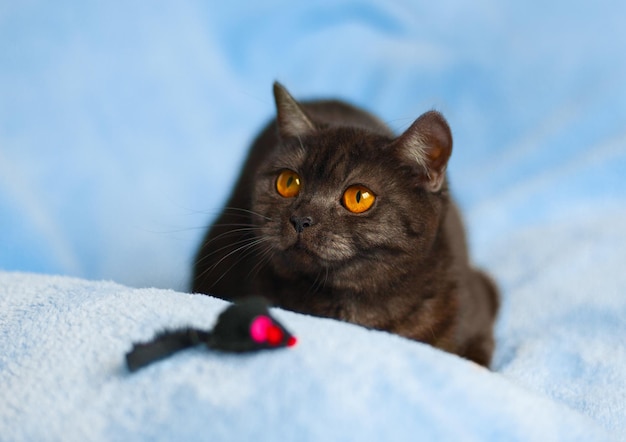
(319,299)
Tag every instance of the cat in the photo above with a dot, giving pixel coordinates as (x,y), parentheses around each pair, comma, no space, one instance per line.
(335,216)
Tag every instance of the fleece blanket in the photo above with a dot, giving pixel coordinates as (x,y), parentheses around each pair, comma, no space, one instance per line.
(63,376)
(122,128)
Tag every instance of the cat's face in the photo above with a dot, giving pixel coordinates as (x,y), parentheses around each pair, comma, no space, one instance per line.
(349,200)
(340,199)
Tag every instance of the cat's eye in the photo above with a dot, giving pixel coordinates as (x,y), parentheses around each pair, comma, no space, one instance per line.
(288,184)
(358,199)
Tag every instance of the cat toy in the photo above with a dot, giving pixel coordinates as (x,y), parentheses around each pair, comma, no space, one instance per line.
(245,326)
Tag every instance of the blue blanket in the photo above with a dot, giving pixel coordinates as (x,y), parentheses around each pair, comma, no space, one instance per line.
(122,128)
(62,376)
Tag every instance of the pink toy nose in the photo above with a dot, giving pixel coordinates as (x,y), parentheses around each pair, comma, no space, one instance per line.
(259,328)
(264,331)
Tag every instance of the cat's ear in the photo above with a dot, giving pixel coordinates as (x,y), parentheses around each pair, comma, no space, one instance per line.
(291,118)
(428,145)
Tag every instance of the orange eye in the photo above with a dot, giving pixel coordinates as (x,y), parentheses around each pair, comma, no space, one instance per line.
(358,199)
(288,184)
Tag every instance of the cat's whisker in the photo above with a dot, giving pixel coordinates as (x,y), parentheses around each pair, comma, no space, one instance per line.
(236,243)
(249,248)
(313,288)
(234,212)
(247,212)
(233,232)
(214,213)
(203,228)
(320,281)
(264,258)
(247,244)
(176,230)
(225,234)
(229,245)
(235,225)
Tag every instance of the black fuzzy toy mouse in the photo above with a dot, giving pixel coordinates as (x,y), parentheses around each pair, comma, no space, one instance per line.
(243,327)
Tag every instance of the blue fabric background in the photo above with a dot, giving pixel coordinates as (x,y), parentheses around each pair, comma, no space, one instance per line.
(123,125)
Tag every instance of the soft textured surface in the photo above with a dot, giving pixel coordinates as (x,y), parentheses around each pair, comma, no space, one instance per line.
(122,127)
(63,377)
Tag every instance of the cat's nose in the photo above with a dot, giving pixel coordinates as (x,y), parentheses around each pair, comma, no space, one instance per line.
(301,222)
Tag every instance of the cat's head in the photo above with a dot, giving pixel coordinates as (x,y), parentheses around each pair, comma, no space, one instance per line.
(348,198)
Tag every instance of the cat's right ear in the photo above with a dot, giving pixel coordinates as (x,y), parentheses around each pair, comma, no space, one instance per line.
(291,119)
(428,145)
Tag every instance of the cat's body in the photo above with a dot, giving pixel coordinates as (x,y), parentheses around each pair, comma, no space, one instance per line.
(335,216)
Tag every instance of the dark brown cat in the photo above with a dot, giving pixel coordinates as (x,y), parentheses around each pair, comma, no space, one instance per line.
(335,216)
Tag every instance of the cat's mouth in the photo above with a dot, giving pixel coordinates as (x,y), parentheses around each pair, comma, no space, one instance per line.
(305,263)
(300,245)
(311,250)
(301,251)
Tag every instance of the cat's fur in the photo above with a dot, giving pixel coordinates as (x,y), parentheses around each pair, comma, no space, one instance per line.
(401,266)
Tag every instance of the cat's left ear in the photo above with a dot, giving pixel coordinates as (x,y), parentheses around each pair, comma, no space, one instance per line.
(428,145)
(291,119)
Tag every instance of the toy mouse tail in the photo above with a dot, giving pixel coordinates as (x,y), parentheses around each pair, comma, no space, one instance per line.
(163,345)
